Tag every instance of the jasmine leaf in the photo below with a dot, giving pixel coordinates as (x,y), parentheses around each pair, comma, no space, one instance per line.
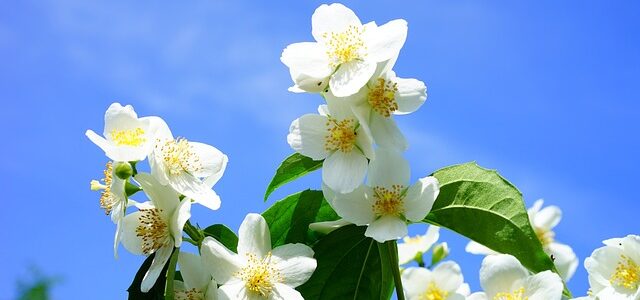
(293,167)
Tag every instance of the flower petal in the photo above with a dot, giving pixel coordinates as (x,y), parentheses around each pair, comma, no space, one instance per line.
(388,168)
(602,264)
(386,228)
(129,238)
(474,247)
(631,246)
(547,218)
(385,41)
(332,18)
(499,272)
(307,136)
(351,77)
(285,292)
(219,261)
(295,263)
(386,132)
(355,207)
(415,281)
(544,286)
(159,260)
(195,189)
(328,226)
(253,236)
(101,142)
(478,296)
(192,270)
(163,197)
(308,59)
(212,161)
(565,259)
(412,93)
(344,172)
(212,290)
(448,276)
(180,216)
(364,141)
(420,198)
(305,83)
(234,291)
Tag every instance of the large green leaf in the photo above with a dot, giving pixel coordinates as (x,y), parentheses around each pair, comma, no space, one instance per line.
(294,166)
(350,266)
(156,292)
(483,206)
(224,235)
(290,217)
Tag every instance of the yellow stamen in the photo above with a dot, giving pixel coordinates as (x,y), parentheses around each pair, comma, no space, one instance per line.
(260,275)
(128,137)
(192,294)
(516,295)
(341,135)
(434,293)
(346,46)
(179,157)
(153,230)
(546,237)
(107,199)
(627,274)
(389,202)
(382,97)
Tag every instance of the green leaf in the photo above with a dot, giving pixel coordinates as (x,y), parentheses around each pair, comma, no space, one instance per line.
(170,275)
(289,218)
(156,292)
(483,206)
(350,266)
(293,167)
(224,235)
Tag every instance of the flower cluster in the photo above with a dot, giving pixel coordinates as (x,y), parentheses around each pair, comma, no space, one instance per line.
(350,65)
(183,172)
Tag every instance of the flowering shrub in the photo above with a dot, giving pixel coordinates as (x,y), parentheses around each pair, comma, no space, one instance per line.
(340,242)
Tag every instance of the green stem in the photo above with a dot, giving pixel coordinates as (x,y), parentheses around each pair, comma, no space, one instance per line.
(194,233)
(392,247)
(419,260)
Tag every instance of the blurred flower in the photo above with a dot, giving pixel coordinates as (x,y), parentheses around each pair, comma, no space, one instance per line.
(156,227)
(335,136)
(503,277)
(191,168)
(126,137)
(346,52)
(387,201)
(445,282)
(543,220)
(417,245)
(614,270)
(257,272)
(196,283)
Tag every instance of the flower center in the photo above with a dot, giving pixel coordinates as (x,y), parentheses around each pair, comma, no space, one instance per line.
(341,135)
(382,97)
(389,202)
(179,157)
(627,274)
(345,46)
(153,230)
(516,295)
(107,199)
(260,275)
(546,237)
(128,137)
(192,294)
(434,293)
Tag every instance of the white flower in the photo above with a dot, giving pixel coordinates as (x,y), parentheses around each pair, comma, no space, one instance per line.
(387,201)
(417,245)
(614,270)
(335,136)
(126,137)
(156,227)
(346,52)
(257,272)
(503,277)
(190,168)
(113,199)
(197,283)
(382,97)
(445,282)
(543,220)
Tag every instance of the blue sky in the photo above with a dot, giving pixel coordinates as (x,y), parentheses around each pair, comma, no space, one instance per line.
(543,91)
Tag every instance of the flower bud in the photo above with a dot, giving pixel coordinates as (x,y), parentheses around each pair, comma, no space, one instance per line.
(440,252)
(124,170)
